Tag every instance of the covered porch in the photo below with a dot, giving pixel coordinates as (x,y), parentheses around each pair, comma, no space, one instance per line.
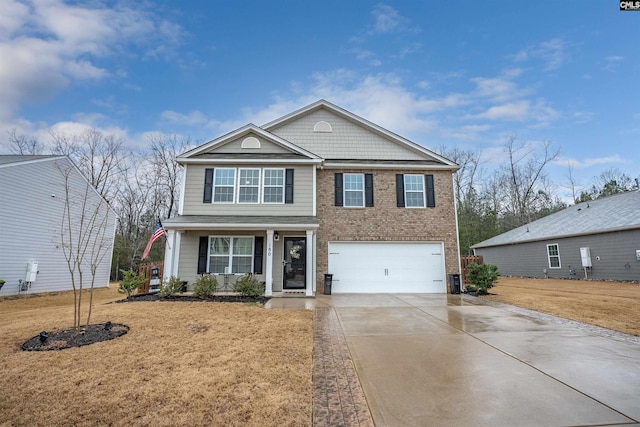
(278,250)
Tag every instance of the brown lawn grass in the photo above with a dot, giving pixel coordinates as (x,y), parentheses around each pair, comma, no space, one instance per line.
(182,363)
(611,305)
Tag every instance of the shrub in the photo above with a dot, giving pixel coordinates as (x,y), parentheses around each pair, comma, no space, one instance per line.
(248,286)
(170,287)
(483,277)
(130,282)
(205,286)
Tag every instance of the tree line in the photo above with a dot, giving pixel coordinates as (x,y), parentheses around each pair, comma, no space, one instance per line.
(145,185)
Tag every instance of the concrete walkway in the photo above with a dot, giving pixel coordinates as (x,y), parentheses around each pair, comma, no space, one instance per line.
(437,360)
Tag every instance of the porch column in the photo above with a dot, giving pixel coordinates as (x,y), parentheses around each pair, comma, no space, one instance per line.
(309,267)
(268,286)
(169,248)
(175,245)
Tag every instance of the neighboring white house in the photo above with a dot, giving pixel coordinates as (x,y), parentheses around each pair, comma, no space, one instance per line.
(32,194)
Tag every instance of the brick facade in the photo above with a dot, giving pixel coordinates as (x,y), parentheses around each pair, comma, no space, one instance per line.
(385,221)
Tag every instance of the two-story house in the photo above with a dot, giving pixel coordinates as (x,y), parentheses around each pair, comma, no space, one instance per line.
(317,191)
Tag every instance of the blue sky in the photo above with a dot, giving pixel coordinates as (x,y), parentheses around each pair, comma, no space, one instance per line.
(464,74)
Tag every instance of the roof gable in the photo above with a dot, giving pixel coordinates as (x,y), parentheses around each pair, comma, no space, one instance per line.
(618,212)
(351,137)
(248,142)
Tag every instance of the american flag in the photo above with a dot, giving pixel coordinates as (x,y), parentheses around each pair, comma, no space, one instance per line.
(158,232)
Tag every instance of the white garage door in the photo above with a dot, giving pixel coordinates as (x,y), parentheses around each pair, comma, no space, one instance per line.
(372,267)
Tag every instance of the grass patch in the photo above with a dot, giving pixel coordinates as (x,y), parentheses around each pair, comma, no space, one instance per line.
(611,305)
(182,363)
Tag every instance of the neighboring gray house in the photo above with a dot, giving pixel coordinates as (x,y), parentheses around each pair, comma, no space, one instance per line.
(599,239)
(32,193)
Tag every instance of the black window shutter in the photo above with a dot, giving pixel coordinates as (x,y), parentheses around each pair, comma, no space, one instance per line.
(202,254)
(400,190)
(431,191)
(368,190)
(288,186)
(258,250)
(338,190)
(208,185)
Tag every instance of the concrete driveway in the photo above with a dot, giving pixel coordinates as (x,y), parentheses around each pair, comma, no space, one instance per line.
(430,360)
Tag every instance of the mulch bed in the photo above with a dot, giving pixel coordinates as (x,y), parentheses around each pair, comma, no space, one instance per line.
(191,298)
(68,338)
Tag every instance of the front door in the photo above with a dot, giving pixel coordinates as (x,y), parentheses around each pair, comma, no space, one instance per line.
(295,262)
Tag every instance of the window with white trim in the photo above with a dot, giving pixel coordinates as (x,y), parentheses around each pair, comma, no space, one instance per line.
(414,191)
(224,184)
(553,252)
(353,190)
(273,186)
(248,185)
(230,255)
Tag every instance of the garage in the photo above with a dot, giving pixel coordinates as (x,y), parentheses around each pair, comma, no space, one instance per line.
(384,267)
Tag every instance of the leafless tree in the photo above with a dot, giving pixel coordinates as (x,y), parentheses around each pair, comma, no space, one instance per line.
(83,235)
(465,178)
(24,145)
(571,183)
(164,150)
(99,156)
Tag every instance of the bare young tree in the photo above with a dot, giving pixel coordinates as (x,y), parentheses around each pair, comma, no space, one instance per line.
(465,178)
(97,155)
(83,234)
(572,183)
(24,145)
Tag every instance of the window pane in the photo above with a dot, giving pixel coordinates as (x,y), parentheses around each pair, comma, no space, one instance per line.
(553,250)
(243,246)
(217,264)
(413,183)
(554,261)
(220,246)
(273,177)
(249,177)
(273,195)
(353,182)
(223,194)
(241,264)
(353,198)
(414,200)
(248,195)
(224,176)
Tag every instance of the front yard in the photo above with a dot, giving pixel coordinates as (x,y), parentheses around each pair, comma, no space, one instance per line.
(182,363)
(612,305)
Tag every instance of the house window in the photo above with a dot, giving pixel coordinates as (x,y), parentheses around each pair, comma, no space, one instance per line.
(248,185)
(224,185)
(553,253)
(230,255)
(414,191)
(354,190)
(273,186)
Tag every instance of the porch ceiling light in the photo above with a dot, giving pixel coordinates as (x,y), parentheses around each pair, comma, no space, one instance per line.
(276,236)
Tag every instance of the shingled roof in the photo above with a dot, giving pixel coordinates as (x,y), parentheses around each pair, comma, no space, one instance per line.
(613,213)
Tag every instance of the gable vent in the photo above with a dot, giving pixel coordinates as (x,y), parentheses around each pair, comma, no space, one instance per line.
(250,142)
(322,127)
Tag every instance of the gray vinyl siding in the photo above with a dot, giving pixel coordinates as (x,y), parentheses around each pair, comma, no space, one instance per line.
(347,140)
(188,262)
(302,194)
(266,147)
(32,196)
(617,252)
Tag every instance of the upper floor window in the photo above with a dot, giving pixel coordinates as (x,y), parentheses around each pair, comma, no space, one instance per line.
(248,185)
(354,190)
(414,191)
(553,252)
(273,186)
(224,182)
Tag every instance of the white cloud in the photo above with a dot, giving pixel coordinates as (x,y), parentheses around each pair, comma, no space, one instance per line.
(586,163)
(387,19)
(611,62)
(46,45)
(553,53)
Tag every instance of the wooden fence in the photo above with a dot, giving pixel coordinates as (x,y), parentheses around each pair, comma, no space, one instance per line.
(465,261)
(146,270)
